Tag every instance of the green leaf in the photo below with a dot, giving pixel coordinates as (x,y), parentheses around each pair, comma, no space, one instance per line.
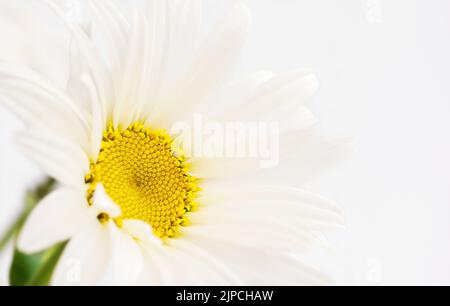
(43,275)
(24,267)
(34,269)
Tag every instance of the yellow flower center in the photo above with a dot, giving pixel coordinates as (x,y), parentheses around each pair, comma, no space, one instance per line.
(141,173)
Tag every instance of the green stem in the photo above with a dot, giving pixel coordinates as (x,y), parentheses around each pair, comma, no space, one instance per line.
(10,233)
(44,273)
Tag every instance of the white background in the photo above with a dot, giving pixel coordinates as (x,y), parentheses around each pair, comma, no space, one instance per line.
(384,67)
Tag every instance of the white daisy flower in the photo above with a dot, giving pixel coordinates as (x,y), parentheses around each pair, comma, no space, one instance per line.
(137,206)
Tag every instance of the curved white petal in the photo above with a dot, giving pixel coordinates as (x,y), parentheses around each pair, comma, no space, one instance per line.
(115,17)
(173,32)
(312,155)
(209,262)
(97,67)
(114,30)
(157,27)
(104,204)
(57,217)
(234,95)
(32,42)
(86,257)
(271,218)
(264,96)
(59,158)
(129,89)
(259,266)
(260,234)
(141,231)
(298,119)
(127,258)
(23,78)
(211,68)
(41,105)
(159,266)
(184,264)
(98,123)
(183,34)
(293,158)
(225,195)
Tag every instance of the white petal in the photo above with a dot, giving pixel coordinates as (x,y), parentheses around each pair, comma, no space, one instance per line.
(98,69)
(39,85)
(114,30)
(32,42)
(295,212)
(56,218)
(115,18)
(98,118)
(104,204)
(150,274)
(224,194)
(141,231)
(130,87)
(234,95)
(300,156)
(306,154)
(260,235)
(291,213)
(172,31)
(279,270)
(175,27)
(127,260)
(59,158)
(86,258)
(256,266)
(159,267)
(264,96)
(176,265)
(183,263)
(222,167)
(212,67)
(299,119)
(225,274)
(156,56)
(41,105)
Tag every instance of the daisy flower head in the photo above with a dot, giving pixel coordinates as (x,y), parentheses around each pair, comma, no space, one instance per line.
(169,172)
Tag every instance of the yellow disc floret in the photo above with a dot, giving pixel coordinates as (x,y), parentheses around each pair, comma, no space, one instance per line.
(141,174)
